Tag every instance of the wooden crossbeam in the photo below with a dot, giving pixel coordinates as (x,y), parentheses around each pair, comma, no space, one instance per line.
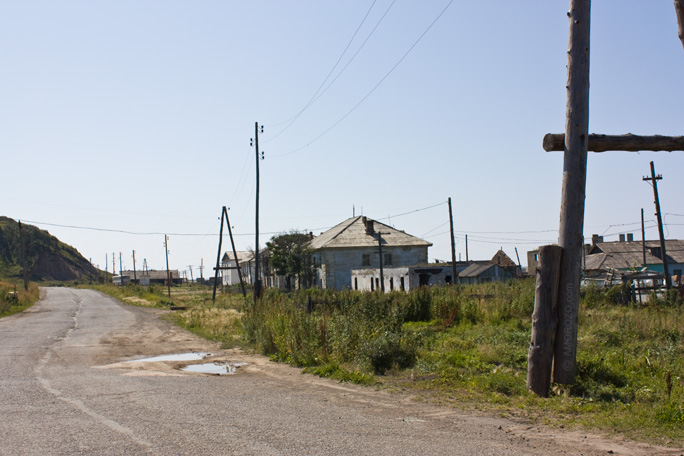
(554,142)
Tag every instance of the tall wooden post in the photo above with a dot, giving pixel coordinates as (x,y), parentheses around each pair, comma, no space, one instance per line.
(544,320)
(643,239)
(454,274)
(679,8)
(570,236)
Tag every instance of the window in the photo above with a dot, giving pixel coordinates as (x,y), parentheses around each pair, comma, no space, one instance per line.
(391,283)
(365,259)
(372,284)
(356,283)
(402,284)
(388,259)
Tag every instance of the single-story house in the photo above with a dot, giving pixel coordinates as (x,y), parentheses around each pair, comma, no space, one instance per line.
(146,277)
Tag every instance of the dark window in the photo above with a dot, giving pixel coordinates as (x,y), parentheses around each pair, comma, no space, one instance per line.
(447,279)
(372,284)
(365,259)
(391,283)
(402,284)
(377,283)
(356,283)
(388,259)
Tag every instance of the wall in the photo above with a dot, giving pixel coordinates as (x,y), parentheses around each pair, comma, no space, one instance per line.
(336,264)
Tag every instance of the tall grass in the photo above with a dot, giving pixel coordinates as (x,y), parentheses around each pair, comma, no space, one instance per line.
(14,299)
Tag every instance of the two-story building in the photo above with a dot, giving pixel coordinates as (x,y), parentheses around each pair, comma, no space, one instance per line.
(356,243)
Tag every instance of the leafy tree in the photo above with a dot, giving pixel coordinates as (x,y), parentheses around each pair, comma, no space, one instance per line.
(290,256)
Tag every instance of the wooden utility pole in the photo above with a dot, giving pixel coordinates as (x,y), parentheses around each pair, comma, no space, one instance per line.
(663,253)
(168,274)
(24,268)
(190,269)
(570,233)
(679,9)
(224,216)
(257,279)
(576,142)
(121,271)
(454,273)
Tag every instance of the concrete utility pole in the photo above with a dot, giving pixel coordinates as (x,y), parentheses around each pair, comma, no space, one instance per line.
(135,275)
(382,260)
(655,179)
(168,274)
(643,238)
(190,268)
(257,278)
(454,273)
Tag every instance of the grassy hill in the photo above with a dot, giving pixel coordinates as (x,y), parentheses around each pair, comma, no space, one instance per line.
(47,258)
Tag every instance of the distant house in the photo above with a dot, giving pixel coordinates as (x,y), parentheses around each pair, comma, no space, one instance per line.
(147,277)
(354,244)
(247,269)
(628,255)
(478,273)
(231,276)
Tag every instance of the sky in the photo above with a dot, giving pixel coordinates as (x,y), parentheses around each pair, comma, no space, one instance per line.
(125,121)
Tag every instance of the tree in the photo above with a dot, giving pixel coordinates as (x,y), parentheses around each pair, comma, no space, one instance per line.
(290,256)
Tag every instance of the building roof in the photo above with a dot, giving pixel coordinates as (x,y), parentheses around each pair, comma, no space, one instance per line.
(476,269)
(362,232)
(243,256)
(624,255)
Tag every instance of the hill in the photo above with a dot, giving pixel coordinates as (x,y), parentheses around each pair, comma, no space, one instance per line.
(47,257)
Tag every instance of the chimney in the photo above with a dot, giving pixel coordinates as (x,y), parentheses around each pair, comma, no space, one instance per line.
(595,239)
(630,237)
(368,224)
(622,238)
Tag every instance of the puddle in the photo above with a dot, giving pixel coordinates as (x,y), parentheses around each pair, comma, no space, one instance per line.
(216,368)
(194,356)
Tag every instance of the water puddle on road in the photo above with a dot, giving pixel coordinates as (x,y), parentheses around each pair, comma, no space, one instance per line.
(215,368)
(194,356)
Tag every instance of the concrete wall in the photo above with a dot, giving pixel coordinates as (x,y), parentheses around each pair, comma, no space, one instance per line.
(335,265)
(402,278)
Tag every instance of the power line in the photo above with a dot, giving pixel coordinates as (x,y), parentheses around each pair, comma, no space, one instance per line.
(316,95)
(374,88)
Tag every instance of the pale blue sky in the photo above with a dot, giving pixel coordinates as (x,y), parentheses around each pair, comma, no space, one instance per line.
(137,116)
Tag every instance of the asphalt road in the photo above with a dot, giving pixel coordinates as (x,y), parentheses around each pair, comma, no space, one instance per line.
(66,389)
